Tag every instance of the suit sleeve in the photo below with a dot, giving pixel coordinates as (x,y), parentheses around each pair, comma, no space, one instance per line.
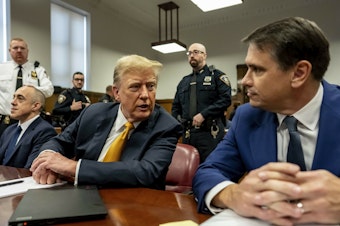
(44,135)
(147,170)
(223,164)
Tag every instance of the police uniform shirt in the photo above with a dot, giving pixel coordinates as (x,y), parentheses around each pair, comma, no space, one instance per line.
(213,94)
(31,76)
(64,102)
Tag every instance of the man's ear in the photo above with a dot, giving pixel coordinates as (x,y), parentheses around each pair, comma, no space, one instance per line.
(302,71)
(116,92)
(36,106)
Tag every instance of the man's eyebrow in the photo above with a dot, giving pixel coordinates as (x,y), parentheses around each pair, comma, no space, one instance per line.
(19,96)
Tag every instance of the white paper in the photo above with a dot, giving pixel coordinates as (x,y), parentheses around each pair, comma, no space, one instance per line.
(20,188)
(229,217)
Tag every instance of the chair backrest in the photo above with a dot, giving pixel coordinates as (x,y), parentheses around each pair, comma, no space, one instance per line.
(182,169)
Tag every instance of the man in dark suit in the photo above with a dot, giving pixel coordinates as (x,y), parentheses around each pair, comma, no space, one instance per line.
(27,104)
(79,152)
(248,171)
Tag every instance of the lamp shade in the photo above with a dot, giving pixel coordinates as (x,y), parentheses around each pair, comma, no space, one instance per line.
(169,46)
(209,5)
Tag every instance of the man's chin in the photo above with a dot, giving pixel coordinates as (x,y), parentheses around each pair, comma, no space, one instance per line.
(12,116)
(254,103)
(193,64)
(142,115)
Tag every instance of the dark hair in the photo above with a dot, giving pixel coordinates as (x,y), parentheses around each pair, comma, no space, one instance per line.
(77,73)
(293,39)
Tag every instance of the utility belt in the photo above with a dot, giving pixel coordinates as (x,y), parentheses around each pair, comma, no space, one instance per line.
(209,125)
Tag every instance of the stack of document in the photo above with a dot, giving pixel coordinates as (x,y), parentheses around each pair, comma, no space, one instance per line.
(21,185)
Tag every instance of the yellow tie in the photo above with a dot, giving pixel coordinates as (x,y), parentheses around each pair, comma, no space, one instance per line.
(115,149)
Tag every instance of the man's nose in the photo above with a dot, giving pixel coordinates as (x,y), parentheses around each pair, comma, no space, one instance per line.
(144,92)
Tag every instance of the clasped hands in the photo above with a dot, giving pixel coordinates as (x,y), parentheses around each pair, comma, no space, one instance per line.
(51,167)
(281,194)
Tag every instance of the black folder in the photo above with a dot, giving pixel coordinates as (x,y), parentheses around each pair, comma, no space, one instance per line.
(58,205)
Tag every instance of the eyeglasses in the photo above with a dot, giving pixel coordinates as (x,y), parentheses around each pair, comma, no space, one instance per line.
(195,52)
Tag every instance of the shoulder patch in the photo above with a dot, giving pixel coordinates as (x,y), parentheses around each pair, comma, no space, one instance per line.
(224,78)
(61,98)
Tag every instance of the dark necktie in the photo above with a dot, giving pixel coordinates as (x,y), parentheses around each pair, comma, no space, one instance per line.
(12,145)
(19,78)
(295,153)
(193,96)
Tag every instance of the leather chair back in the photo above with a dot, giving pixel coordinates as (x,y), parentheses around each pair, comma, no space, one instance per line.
(182,169)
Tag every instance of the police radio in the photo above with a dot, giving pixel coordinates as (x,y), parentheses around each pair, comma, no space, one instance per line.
(36,64)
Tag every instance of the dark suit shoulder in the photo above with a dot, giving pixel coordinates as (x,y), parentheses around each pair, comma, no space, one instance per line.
(253,115)
(161,118)
(102,107)
(41,124)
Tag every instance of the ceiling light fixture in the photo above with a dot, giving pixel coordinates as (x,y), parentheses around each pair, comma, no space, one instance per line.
(169,45)
(210,5)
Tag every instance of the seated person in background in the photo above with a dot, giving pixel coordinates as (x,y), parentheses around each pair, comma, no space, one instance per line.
(71,102)
(286,62)
(82,151)
(20,151)
(108,96)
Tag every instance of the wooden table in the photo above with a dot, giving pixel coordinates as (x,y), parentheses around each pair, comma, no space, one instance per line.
(126,207)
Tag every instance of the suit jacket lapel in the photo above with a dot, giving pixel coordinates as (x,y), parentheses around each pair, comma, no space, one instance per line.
(328,145)
(102,131)
(263,139)
(28,131)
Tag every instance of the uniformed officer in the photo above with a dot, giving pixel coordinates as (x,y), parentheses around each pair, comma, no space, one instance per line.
(18,72)
(108,96)
(71,102)
(200,101)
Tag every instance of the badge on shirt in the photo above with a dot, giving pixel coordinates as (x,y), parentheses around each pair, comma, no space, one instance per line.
(224,78)
(34,75)
(61,98)
(207,81)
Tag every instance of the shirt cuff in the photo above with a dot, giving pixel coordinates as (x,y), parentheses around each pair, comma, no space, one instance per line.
(212,193)
(77,170)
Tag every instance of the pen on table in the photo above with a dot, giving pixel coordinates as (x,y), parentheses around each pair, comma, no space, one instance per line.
(11,183)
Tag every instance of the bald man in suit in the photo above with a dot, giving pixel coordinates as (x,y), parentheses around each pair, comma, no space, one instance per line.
(27,104)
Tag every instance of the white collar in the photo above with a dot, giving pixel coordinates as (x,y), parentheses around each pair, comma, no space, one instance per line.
(309,114)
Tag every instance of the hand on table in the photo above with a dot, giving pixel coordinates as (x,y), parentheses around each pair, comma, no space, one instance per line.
(50,166)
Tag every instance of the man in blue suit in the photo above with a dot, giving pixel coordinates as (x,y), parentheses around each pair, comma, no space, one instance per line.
(248,171)
(27,104)
(79,151)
